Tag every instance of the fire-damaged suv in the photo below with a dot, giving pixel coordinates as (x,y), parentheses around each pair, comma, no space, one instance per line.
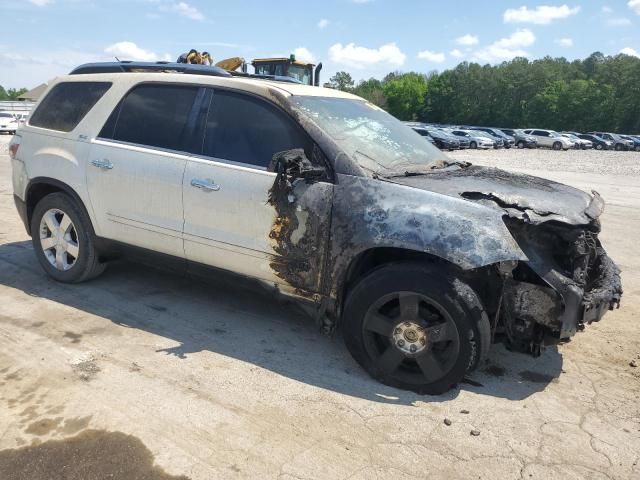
(420,260)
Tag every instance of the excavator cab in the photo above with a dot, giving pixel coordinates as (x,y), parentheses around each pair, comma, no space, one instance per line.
(305,73)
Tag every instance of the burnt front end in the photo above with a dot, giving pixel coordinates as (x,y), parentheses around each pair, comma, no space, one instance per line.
(568,282)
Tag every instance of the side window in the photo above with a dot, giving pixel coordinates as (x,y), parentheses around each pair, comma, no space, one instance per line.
(66,105)
(541,133)
(154,115)
(243,129)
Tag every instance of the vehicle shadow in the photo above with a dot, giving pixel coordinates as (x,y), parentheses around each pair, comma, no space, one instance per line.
(249,323)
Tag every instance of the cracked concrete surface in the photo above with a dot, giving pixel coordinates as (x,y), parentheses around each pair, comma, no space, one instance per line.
(225,382)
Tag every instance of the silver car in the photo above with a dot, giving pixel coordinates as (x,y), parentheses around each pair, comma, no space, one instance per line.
(550,139)
(475,139)
(578,143)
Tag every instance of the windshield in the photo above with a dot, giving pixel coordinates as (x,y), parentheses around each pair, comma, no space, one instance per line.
(301,74)
(6,115)
(376,140)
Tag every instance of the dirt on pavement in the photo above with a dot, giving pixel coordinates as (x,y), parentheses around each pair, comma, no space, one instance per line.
(205,380)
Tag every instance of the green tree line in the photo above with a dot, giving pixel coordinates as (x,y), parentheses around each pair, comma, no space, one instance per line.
(597,93)
(11,94)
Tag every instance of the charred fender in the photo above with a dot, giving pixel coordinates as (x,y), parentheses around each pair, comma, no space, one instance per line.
(370,213)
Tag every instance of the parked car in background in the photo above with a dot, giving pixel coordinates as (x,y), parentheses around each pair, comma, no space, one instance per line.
(578,143)
(440,140)
(8,123)
(507,141)
(636,141)
(619,143)
(522,140)
(497,142)
(475,139)
(465,143)
(599,143)
(550,139)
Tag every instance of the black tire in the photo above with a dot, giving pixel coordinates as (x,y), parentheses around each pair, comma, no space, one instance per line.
(618,147)
(473,145)
(87,264)
(520,144)
(438,304)
(599,146)
(637,148)
(557,146)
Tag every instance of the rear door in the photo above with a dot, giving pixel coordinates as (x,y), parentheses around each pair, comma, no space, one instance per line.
(228,221)
(543,138)
(137,163)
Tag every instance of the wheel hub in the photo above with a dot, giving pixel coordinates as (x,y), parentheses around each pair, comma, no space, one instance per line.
(409,337)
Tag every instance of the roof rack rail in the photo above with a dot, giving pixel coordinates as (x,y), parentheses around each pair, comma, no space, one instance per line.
(168,67)
(275,78)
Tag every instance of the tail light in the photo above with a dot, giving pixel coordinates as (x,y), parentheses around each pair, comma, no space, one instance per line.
(14,146)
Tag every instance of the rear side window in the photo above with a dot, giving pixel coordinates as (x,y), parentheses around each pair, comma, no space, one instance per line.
(154,115)
(243,129)
(66,105)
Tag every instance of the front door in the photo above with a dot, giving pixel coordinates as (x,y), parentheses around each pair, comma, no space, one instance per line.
(229,222)
(136,167)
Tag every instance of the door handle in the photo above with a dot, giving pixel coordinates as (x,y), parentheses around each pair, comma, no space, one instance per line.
(103,164)
(206,185)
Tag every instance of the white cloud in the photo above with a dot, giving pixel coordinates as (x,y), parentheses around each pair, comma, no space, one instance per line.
(131,51)
(467,40)
(41,3)
(356,56)
(541,15)
(456,53)
(565,42)
(507,48)
(429,56)
(619,22)
(323,23)
(183,9)
(634,5)
(304,55)
(606,9)
(630,51)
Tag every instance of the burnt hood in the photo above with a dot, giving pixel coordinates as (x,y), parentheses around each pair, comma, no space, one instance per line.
(534,200)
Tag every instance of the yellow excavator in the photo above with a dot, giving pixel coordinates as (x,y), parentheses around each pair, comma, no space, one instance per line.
(305,73)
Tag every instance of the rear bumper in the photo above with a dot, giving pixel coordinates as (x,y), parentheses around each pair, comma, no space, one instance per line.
(21,206)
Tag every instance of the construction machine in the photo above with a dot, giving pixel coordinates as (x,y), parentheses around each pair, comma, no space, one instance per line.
(305,73)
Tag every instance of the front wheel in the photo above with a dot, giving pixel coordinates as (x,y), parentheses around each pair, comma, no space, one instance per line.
(63,240)
(618,147)
(473,145)
(557,146)
(415,327)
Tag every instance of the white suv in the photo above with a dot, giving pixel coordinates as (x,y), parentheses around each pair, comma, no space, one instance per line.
(550,139)
(320,194)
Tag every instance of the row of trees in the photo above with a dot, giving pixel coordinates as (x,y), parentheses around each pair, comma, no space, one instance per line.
(11,94)
(597,93)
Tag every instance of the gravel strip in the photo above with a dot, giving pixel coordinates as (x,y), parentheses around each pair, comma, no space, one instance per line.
(580,161)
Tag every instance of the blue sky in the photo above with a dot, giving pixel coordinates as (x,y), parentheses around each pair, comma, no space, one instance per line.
(44,38)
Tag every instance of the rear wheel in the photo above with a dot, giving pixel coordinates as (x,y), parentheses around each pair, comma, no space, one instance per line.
(618,147)
(637,148)
(63,240)
(520,144)
(599,146)
(415,327)
(557,146)
(473,145)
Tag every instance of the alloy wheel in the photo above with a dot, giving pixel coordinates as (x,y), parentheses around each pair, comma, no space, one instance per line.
(411,337)
(59,239)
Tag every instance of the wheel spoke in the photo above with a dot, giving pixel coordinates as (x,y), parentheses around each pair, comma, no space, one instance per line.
(378,323)
(72,249)
(431,366)
(65,224)
(409,304)
(60,258)
(48,243)
(390,360)
(440,333)
(51,222)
